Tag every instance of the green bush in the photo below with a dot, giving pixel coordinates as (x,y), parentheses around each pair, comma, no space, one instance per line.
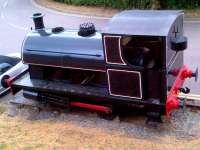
(121,4)
(141,4)
(186,4)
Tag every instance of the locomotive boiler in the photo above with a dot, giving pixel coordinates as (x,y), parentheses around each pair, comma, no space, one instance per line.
(136,60)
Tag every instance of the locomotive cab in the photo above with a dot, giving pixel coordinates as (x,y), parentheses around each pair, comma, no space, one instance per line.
(138,52)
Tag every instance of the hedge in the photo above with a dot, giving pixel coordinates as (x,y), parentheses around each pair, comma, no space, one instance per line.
(141,4)
(184,4)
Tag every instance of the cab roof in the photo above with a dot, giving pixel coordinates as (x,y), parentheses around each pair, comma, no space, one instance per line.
(142,22)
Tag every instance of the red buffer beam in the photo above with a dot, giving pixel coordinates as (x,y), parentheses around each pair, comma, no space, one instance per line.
(172,98)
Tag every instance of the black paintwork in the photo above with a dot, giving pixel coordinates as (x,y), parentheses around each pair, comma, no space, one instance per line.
(126,66)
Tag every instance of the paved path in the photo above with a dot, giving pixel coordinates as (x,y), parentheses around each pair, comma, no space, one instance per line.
(15,22)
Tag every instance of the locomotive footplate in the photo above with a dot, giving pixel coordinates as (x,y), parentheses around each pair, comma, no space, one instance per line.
(56,87)
(86,94)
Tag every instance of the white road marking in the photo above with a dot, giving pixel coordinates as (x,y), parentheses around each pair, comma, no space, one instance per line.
(5,4)
(67,14)
(2,16)
(16,26)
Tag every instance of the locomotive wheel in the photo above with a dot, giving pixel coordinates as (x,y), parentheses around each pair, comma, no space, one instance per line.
(110,116)
(153,118)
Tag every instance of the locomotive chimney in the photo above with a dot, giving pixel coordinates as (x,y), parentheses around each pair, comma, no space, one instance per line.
(38,21)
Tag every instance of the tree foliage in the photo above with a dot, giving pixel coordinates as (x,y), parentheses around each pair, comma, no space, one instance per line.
(141,4)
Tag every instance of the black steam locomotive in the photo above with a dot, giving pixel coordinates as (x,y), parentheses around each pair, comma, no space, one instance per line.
(135,61)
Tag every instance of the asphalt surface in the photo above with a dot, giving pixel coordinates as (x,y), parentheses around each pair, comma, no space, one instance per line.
(15,23)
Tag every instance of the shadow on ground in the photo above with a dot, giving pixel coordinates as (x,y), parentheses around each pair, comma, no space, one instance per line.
(183,125)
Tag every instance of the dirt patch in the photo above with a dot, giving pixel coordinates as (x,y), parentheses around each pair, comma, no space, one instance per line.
(83,10)
(19,133)
(28,128)
(2,109)
(98,11)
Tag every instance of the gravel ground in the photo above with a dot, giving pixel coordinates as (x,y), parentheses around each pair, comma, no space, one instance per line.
(86,130)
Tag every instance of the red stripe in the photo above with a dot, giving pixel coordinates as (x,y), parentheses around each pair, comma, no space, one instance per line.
(92,107)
